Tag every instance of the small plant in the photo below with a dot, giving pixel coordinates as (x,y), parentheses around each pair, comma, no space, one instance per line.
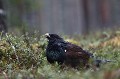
(23,57)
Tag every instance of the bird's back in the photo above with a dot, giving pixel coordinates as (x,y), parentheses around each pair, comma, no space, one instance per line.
(76,56)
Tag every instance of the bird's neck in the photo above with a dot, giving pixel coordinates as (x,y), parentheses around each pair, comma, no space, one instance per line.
(51,41)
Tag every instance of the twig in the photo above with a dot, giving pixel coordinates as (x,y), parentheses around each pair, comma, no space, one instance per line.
(13,47)
(5,75)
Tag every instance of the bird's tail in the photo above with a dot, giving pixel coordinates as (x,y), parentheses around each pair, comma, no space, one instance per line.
(98,62)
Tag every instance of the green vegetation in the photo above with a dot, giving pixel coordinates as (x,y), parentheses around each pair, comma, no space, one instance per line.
(23,57)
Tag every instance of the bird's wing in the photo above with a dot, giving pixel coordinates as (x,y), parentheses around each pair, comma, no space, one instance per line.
(75,51)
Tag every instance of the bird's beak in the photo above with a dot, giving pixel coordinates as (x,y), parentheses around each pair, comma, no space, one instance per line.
(47,35)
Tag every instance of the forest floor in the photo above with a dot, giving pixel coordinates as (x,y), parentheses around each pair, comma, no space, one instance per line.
(23,57)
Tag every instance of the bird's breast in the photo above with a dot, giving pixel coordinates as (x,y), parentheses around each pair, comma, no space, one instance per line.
(55,54)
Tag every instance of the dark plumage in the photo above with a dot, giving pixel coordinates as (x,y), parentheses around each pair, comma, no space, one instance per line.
(61,51)
(55,51)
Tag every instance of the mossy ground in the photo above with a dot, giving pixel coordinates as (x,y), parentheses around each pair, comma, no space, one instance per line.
(23,57)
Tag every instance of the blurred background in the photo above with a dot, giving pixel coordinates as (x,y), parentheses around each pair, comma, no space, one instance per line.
(59,16)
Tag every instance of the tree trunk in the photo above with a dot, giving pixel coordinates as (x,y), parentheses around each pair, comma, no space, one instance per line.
(3,26)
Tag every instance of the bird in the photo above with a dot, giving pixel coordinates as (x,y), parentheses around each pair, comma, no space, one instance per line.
(63,52)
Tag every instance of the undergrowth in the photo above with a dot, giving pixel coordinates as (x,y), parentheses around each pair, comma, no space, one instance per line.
(23,57)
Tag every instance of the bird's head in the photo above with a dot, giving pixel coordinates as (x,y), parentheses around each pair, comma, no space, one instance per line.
(53,37)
